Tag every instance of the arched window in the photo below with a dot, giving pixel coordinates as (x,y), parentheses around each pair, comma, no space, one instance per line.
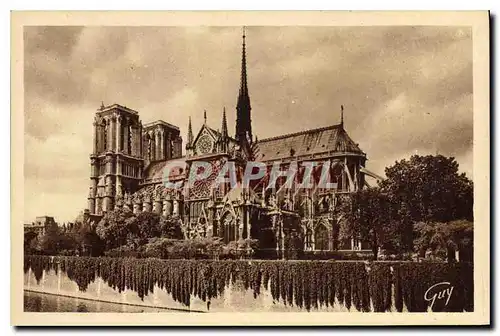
(321,238)
(307,207)
(129,139)
(150,148)
(228,228)
(105,135)
(308,240)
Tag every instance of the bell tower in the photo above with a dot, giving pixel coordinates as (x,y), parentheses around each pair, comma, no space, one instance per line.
(116,161)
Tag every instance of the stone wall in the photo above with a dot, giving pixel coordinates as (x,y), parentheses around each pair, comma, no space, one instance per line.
(235,298)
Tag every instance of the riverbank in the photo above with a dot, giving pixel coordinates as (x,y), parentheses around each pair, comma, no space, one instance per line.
(253,286)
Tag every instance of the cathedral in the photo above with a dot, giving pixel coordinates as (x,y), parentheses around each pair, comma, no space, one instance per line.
(129,161)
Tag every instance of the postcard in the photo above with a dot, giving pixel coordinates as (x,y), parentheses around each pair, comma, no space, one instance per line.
(250,168)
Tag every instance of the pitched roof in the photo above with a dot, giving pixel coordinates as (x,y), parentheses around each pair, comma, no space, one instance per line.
(331,139)
(155,171)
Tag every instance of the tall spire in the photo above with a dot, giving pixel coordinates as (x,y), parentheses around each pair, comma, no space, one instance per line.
(243,108)
(224,138)
(342,115)
(224,123)
(243,79)
(190,135)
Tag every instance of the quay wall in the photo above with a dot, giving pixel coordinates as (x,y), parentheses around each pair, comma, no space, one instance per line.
(234,299)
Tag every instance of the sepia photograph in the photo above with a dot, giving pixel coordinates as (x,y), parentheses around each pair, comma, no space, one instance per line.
(329,164)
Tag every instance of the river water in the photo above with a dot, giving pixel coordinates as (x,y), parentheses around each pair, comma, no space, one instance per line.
(37,302)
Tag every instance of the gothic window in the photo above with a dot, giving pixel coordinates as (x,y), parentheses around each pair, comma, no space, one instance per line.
(195,210)
(170,153)
(129,139)
(321,238)
(202,188)
(307,207)
(308,240)
(105,136)
(150,147)
(228,228)
(204,144)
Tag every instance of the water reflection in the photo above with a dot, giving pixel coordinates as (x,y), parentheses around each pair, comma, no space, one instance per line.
(37,302)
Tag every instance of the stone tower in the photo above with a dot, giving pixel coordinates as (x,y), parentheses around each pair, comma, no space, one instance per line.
(161,141)
(117,160)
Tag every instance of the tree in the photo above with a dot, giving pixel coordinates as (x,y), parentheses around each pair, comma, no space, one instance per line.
(170,227)
(147,225)
(143,226)
(30,242)
(118,228)
(443,239)
(425,189)
(55,240)
(366,214)
(114,228)
(87,241)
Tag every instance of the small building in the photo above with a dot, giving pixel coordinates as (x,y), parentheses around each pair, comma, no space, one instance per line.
(40,225)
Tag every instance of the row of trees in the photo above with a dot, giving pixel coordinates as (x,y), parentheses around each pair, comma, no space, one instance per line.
(122,233)
(423,206)
(79,239)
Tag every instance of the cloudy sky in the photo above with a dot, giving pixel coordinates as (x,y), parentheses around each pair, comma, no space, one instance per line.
(405,90)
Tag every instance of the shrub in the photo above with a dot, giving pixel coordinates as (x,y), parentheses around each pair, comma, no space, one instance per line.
(122,251)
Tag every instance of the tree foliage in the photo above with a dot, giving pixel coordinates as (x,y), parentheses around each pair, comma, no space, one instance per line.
(54,240)
(425,189)
(87,241)
(170,227)
(114,228)
(118,228)
(366,216)
(30,242)
(443,239)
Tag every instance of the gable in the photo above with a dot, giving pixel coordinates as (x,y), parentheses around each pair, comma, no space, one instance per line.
(205,130)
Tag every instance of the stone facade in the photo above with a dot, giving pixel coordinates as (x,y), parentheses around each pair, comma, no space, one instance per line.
(129,160)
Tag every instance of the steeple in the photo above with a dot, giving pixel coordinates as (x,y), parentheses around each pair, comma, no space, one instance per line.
(224,124)
(342,116)
(189,142)
(224,135)
(243,108)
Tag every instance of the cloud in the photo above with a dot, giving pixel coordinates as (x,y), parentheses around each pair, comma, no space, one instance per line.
(404,89)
